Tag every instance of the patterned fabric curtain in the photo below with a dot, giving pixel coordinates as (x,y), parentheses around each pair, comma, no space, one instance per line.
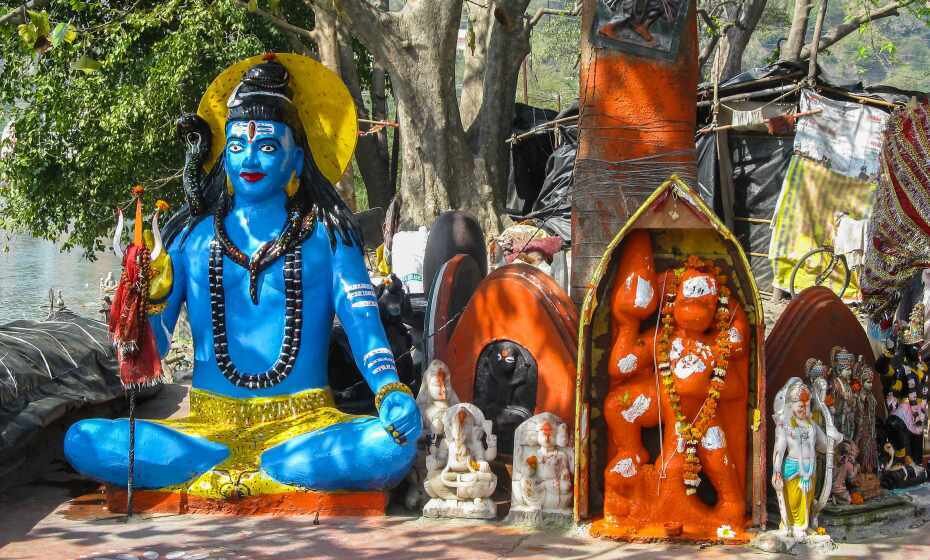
(899,232)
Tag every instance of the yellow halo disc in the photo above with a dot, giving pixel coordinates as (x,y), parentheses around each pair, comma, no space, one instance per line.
(325,105)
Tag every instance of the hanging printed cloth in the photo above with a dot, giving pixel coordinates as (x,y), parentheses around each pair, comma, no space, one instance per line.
(130,331)
(898,235)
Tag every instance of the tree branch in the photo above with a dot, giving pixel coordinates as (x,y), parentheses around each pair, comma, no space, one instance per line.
(364,19)
(708,50)
(15,16)
(281,23)
(552,12)
(708,21)
(842,30)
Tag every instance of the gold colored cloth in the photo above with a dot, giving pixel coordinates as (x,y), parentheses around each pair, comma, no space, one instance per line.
(798,501)
(811,195)
(248,427)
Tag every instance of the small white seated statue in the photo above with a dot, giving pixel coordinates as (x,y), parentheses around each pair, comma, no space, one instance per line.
(434,399)
(543,466)
(459,480)
(798,439)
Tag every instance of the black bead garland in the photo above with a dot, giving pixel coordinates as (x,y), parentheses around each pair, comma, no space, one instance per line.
(297,229)
(293,309)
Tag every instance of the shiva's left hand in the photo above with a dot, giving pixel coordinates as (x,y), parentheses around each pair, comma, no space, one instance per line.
(400,417)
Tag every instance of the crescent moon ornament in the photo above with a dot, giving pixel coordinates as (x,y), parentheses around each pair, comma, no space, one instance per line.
(156,234)
(118,234)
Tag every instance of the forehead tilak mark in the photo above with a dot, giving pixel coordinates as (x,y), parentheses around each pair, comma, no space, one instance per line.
(251,129)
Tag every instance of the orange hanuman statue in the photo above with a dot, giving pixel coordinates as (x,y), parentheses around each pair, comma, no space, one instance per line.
(687,375)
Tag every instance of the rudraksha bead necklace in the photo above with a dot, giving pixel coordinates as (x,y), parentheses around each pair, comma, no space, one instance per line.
(287,244)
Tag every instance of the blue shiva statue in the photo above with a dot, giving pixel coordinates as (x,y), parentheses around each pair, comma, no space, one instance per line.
(263,256)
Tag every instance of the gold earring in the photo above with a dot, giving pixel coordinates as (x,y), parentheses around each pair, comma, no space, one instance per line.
(292,185)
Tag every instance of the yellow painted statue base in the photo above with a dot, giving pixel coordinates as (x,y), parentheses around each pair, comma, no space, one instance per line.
(260,424)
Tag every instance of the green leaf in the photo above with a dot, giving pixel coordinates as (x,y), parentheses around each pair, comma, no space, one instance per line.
(252,5)
(29,34)
(40,20)
(275,6)
(71,35)
(63,33)
(86,64)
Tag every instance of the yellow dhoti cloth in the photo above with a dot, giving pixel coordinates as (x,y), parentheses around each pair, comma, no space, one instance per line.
(248,427)
(799,494)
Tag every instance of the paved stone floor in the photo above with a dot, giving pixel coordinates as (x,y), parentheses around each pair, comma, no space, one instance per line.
(44,521)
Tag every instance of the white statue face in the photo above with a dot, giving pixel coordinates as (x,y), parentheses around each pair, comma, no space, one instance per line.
(801,409)
(545,436)
(462,425)
(437,385)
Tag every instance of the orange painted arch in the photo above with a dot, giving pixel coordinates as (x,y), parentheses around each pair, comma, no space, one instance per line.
(522,304)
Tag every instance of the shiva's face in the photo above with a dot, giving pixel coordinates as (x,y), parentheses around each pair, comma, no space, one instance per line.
(261,157)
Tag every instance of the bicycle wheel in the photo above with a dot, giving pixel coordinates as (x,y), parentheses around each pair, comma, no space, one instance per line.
(824,270)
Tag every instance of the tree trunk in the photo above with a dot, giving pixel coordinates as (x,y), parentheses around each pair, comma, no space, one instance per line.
(434,154)
(445,167)
(378,180)
(744,19)
(502,42)
(371,156)
(791,51)
(326,32)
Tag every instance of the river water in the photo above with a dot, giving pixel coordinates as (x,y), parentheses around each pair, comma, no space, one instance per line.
(29,267)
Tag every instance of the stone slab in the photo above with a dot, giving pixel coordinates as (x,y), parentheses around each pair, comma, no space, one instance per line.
(539,519)
(875,519)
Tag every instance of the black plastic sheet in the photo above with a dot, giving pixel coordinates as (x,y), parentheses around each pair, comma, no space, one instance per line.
(527,157)
(553,204)
(50,369)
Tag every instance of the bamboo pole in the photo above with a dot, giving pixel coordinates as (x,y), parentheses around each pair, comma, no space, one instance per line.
(731,126)
(541,128)
(751,95)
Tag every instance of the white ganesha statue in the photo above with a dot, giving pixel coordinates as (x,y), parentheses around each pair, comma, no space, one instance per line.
(459,480)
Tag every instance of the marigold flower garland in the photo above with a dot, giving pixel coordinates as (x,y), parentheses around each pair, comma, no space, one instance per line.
(693,433)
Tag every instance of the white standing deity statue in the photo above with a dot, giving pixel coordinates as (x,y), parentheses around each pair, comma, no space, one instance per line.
(463,486)
(798,439)
(543,466)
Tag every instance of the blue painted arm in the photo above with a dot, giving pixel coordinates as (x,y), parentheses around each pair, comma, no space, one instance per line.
(356,305)
(163,323)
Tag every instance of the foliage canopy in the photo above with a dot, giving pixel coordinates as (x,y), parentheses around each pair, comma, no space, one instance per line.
(94,109)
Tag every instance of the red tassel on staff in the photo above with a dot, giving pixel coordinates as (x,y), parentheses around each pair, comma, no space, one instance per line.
(130,330)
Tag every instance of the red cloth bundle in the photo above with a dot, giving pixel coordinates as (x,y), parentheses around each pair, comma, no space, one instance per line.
(139,362)
(548,246)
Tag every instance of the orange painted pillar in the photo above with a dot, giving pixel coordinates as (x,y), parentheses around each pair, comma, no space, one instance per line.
(639,75)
